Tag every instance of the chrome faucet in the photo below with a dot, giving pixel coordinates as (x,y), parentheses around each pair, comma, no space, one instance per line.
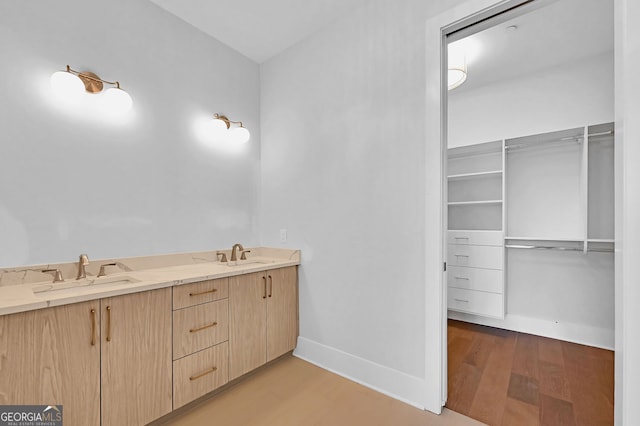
(234,253)
(84,261)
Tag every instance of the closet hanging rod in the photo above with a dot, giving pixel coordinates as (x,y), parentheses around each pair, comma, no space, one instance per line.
(608,132)
(529,247)
(519,246)
(537,144)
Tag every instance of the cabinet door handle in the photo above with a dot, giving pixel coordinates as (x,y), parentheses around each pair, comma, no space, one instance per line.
(461,300)
(204,327)
(264,293)
(270,285)
(197,376)
(93,327)
(203,292)
(108,323)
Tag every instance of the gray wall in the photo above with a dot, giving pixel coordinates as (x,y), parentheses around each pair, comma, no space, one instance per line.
(71,182)
(343,170)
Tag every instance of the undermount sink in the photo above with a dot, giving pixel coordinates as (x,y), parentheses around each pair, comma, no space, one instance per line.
(85,282)
(249,262)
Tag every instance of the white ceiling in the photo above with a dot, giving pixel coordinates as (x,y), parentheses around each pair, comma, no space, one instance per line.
(561,32)
(259,29)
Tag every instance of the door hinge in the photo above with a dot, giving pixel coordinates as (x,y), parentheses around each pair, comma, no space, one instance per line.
(445,266)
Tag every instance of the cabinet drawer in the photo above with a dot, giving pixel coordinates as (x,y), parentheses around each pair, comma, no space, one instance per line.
(491,280)
(475,302)
(200,292)
(479,238)
(199,327)
(490,257)
(200,373)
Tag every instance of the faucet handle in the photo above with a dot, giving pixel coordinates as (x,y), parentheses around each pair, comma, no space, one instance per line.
(102,272)
(243,255)
(223,254)
(57,277)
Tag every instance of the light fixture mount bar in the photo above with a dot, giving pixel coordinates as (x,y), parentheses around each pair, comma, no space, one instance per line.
(226,120)
(91,81)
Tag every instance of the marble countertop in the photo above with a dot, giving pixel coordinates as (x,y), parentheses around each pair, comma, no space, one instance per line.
(30,296)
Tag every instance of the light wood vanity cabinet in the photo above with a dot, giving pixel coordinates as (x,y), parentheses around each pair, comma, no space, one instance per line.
(131,359)
(263,323)
(200,335)
(106,361)
(47,357)
(136,358)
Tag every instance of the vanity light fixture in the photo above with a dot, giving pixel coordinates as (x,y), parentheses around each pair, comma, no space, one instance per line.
(221,130)
(73,83)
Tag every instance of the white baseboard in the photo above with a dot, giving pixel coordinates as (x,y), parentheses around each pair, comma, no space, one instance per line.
(571,332)
(396,384)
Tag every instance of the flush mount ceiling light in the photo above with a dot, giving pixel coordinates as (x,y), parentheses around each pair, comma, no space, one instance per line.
(221,130)
(74,83)
(456,76)
(457,62)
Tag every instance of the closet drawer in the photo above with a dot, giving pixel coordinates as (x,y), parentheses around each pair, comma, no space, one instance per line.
(200,292)
(489,257)
(200,373)
(475,302)
(479,238)
(199,327)
(491,280)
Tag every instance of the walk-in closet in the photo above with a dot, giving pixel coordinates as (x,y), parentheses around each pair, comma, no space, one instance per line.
(530,213)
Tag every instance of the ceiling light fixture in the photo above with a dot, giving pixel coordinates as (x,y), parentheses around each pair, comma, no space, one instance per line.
(457,67)
(73,83)
(220,128)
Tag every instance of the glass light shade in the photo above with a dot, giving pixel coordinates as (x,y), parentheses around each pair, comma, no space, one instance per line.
(239,135)
(217,130)
(117,100)
(66,84)
(456,77)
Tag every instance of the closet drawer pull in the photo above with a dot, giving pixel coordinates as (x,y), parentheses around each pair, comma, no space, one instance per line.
(462,278)
(209,371)
(461,255)
(195,330)
(203,292)
(462,238)
(461,300)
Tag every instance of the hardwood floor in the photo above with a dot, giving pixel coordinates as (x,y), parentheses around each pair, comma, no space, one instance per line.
(501,377)
(293,392)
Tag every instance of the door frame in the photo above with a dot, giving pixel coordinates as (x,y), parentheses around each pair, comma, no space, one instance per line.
(438,28)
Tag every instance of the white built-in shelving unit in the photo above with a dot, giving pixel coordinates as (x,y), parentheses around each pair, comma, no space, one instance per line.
(535,214)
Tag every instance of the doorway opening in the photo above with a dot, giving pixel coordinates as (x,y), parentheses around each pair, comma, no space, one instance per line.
(529,223)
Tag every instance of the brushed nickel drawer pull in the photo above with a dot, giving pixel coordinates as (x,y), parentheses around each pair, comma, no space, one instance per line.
(203,292)
(108,323)
(462,255)
(93,327)
(461,300)
(462,278)
(209,371)
(270,285)
(461,238)
(195,330)
(264,294)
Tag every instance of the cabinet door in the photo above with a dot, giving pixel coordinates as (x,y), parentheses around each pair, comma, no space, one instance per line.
(282,311)
(47,357)
(247,323)
(136,358)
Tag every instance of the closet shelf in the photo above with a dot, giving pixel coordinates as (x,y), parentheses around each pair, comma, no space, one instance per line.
(462,176)
(475,203)
(601,240)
